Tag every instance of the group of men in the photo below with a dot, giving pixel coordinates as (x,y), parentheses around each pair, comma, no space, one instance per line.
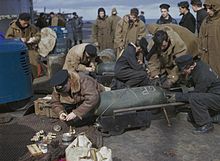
(173,53)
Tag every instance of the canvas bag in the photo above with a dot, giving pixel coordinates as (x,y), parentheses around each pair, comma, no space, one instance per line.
(81,150)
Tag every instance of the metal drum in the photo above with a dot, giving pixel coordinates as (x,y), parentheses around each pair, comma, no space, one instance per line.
(15,77)
(55,63)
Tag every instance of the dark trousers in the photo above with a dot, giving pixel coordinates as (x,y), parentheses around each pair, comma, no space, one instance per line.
(133,78)
(200,104)
(87,119)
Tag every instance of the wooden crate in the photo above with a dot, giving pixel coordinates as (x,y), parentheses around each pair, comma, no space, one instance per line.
(43,108)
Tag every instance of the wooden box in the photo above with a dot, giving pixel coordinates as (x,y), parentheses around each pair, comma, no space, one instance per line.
(42,107)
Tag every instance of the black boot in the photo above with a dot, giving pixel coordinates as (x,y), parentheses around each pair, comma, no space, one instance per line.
(75,43)
(204,129)
(80,41)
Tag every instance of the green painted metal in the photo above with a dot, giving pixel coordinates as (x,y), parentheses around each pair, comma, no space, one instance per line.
(130,97)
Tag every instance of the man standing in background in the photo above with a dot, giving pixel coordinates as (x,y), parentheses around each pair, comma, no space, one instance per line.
(129,29)
(101,31)
(165,16)
(142,17)
(28,33)
(201,13)
(77,24)
(209,35)
(114,19)
(187,20)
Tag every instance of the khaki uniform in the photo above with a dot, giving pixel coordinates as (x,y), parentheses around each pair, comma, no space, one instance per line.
(15,32)
(191,40)
(85,92)
(76,60)
(114,19)
(165,61)
(125,34)
(101,34)
(209,37)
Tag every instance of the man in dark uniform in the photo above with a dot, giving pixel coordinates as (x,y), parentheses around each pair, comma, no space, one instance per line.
(187,20)
(165,17)
(206,93)
(128,69)
(201,13)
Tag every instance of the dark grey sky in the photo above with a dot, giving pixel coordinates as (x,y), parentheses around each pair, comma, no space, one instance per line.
(88,8)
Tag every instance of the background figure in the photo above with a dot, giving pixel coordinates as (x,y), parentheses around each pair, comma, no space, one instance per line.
(101,31)
(129,29)
(165,16)
(142,17)
(187,20)
(209,35)
(41,21)
(201,13)
(61,20)
(77,24)
(53,21)
(114,19)
(29,34)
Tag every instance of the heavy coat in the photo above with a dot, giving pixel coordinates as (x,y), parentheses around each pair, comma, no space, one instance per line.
(77,24)
(200,16)
(164,62)
(85,92)
(191,41)
(31,31)
(15,32)
(188,21)
(114,19)
(125,34)
(209,38)
(76,60)
(101,33)
(162,20)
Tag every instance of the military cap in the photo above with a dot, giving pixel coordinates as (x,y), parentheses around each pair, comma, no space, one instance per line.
(165,6)
(91,50)
(114,11)
(196,2)
(24,16)
(184,61)
(134,11)
(184,4)
(60,78)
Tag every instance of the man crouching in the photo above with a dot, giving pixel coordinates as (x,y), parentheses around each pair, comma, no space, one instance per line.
(74,97)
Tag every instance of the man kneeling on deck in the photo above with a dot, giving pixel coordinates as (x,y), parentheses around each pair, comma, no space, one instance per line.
(204,97)
(74,97)
(129,71)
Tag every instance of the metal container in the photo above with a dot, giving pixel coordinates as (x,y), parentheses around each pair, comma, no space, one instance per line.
(15,77)
(130,97)
(105,68)
(55,63)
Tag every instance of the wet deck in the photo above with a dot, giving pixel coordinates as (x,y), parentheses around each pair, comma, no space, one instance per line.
(157,143)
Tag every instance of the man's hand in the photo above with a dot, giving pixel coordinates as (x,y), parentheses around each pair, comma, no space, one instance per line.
(167,84)
(96,44)
(62,116)
(23,39)
(70,116)
(90,69)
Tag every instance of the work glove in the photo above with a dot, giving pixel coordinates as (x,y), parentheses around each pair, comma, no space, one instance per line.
(167,84)
(171,97)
